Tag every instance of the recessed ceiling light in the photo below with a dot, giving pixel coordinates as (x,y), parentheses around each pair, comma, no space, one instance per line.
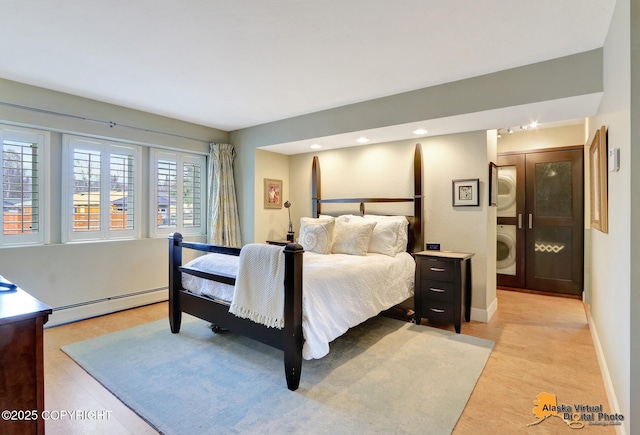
(534,124)
(362,140)
(316,146)
(420,131)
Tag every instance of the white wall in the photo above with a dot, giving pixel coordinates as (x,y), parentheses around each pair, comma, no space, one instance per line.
(102,272)
(610,253)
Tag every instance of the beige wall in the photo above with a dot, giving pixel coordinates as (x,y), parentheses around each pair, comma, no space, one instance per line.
(634,182)
(557,137)
(541,138)
(612,264)
(380,170)
(98,274)
(386,170)
(491,233)
(570,76)
(464,229)
(270,224)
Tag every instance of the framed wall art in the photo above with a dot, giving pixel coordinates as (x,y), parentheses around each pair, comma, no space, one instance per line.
(466,192)
(272,193)
(598,181)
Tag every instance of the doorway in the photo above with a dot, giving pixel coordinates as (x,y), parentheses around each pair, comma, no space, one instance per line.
(540,220)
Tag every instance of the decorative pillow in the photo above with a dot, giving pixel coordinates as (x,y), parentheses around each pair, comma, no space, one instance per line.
(352,236)
(316,234)
(384,239)
(403,229)
(347,217)
(322,218)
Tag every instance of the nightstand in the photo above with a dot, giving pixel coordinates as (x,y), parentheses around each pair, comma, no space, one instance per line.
(443,287)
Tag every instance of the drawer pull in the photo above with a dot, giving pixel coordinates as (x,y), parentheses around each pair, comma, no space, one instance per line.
(437,290)
(437,269)
(436,310)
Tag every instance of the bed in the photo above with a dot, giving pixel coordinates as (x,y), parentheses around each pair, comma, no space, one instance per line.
(323,298)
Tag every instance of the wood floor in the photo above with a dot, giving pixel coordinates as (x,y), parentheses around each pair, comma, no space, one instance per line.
(542,344)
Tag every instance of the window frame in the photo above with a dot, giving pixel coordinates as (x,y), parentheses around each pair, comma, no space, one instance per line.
(106,148)
(43,139)
(180,158)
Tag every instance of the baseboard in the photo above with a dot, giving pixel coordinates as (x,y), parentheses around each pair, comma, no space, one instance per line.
(614,406)
(90,309)
(484,316)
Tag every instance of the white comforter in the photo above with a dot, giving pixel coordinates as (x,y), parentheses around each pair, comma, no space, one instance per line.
(339,291)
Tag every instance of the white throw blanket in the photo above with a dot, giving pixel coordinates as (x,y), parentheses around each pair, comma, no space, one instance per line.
(259,291)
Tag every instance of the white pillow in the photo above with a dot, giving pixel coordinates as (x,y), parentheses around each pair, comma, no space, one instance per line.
(316,234)
(352,237)
(403,229)
(384,236)
(384,239)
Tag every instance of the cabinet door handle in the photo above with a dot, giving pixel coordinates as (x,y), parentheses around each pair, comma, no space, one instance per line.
(436,310)
(530,221)
(437,290)
(519,220)
(436,269)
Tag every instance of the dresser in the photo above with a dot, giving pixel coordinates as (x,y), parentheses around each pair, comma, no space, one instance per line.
(443,287)
(21,362)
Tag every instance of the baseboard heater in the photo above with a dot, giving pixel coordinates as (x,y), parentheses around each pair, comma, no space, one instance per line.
(99,307)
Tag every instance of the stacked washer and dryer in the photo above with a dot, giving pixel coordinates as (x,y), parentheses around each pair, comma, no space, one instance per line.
(506,234)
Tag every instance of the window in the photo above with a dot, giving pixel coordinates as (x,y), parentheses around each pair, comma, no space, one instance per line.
(178,193)
(24,157)
(101,190)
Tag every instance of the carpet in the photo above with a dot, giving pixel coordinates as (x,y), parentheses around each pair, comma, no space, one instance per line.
(383,376)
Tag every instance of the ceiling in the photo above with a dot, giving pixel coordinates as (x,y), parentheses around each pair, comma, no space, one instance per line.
(236,64)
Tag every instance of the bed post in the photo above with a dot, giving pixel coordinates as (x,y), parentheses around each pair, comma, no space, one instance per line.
(315,188)
(418,237)
(292,338)
(175,281)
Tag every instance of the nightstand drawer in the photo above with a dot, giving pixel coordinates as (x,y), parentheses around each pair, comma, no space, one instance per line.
(437,269)
(438,311)
(438,290)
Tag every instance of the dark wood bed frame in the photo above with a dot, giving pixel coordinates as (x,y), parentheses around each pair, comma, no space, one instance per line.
(290,338)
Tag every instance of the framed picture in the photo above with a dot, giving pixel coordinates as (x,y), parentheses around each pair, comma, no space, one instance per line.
(598,180)
(272,193)
(493,184)
(466,192)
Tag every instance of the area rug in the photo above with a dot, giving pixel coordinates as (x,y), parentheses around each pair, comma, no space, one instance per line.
(383,376)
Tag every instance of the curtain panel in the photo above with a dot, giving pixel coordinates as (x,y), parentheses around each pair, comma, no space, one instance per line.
(224,223)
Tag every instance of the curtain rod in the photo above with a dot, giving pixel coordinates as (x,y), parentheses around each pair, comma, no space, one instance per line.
(98,121)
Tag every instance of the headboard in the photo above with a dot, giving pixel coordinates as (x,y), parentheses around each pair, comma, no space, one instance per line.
(416,240)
